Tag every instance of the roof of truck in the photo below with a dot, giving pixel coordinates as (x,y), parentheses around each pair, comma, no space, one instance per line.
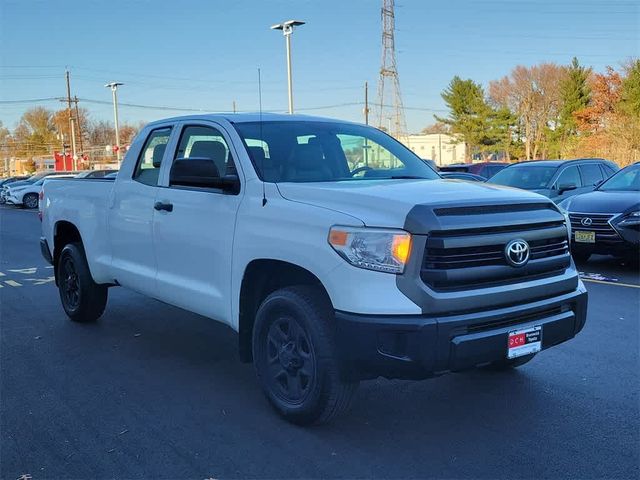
(252,117)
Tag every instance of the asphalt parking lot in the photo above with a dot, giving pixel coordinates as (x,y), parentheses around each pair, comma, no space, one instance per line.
(151,391)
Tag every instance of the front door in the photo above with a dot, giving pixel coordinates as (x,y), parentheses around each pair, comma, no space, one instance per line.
(194,240)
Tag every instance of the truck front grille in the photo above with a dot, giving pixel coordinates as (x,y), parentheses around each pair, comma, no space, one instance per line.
(457,260)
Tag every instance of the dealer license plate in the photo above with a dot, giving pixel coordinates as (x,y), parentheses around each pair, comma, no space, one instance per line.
(586,237)
(525,341)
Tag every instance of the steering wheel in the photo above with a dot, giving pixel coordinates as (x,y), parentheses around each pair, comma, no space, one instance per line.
(359,169)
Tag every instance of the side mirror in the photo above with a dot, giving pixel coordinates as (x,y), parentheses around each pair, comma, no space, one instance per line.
(566,187)
(202,173)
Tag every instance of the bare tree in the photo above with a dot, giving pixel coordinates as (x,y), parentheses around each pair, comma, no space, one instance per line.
(533,94)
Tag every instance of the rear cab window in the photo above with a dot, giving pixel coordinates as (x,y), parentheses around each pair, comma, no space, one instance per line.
(150,159)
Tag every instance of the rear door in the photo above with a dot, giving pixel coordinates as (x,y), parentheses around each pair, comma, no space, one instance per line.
(131,215)
(194,240)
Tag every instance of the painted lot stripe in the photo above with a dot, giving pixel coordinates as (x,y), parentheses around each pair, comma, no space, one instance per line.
(611,283)
(12,283)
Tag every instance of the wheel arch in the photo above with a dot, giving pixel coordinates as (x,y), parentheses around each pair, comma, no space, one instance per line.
(261,278)
(64,232)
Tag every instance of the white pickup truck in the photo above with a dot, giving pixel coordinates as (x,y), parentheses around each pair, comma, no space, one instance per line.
(335,252)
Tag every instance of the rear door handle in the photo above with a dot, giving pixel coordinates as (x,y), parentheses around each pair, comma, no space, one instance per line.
(167,207)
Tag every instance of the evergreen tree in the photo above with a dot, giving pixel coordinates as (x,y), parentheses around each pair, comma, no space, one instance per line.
(630,91)
(575,95)
(469,115)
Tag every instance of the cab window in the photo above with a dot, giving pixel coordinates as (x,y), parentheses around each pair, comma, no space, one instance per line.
(150,160)
(206,143)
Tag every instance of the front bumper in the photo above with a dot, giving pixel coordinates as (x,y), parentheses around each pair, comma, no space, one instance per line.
(422,346)
(13,200)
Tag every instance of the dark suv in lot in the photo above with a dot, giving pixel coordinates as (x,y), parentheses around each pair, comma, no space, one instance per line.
(556,179)
(607,220)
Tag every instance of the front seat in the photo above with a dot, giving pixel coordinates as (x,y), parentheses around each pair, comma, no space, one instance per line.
(213,150)
(307,164)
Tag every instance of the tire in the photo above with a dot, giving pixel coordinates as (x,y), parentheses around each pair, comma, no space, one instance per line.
(296,359)
(580,256)
(508,364)
(83,300)
(30,200)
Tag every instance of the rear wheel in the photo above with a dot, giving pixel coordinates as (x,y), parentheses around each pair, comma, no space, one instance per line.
(296,359)
(30,200)
(83,300)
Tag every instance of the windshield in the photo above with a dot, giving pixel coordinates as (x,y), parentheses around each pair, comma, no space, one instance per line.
(626,180)
(528,177)
(303,151)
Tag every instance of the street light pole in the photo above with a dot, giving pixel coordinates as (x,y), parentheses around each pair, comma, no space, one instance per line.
(114,93)
(287,29)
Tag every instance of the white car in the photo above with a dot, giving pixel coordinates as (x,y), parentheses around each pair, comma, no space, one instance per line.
(27,195)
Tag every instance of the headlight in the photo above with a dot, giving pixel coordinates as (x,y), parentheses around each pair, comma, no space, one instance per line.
(372,248)
(631,218)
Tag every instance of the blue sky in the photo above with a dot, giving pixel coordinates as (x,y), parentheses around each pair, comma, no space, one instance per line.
(205,54)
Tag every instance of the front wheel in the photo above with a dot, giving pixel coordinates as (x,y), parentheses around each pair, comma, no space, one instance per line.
(296,359)
(83,299)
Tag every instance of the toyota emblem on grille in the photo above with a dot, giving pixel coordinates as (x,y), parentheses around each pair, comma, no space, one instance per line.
(517,253)
(586,221)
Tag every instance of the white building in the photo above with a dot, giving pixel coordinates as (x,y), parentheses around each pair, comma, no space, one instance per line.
(439,147)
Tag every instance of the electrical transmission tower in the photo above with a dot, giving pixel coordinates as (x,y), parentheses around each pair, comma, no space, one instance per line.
(390,108)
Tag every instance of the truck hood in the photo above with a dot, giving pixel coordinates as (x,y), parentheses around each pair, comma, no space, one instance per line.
(386,203)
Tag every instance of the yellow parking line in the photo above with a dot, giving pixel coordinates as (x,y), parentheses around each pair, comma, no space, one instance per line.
(12,283)
(610,283)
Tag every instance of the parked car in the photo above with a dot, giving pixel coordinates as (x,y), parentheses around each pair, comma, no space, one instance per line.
(28,181)
(27,195)
(607,220)
(470,177)
(95,173)
(330,273)
(7,180)
(484,169)
(556,179)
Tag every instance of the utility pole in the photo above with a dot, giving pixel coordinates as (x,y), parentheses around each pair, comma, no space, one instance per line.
(71,123)
(287,29)
(366,121)
(114,94)
(79,125)
(366,103)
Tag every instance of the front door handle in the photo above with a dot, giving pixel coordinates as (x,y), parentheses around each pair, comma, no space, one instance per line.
(167,207)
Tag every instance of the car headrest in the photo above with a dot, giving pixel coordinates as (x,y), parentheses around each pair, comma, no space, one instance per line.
(212,149)
(158,153)
(307,157)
